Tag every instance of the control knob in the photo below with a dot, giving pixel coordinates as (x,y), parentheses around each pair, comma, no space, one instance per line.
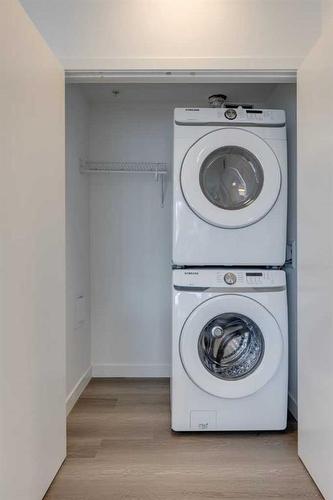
(230,114)
(230,278)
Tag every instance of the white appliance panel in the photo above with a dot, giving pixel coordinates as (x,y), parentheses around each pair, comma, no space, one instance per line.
(205,233)
(246,303)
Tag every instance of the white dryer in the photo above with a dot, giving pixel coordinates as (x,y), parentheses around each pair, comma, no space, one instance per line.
(230,350)
(229,187)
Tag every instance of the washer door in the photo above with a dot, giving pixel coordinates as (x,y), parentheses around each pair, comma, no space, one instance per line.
(230,178)
(231,346)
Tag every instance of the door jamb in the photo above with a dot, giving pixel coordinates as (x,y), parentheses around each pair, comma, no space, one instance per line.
(181,76)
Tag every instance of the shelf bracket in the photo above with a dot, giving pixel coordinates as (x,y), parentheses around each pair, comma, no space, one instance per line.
(160,177)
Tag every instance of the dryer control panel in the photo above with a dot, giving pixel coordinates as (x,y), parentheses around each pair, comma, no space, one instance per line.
(228,278)
(230,116)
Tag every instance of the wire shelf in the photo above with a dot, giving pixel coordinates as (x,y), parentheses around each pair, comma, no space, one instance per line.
(159,169)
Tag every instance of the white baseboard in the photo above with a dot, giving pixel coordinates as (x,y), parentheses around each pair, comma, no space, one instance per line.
(127,370)
(78,389)
(292,406)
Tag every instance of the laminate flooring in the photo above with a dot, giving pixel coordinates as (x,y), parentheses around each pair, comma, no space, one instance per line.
(120,447)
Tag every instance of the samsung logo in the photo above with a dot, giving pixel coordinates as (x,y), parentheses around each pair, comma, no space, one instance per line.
(191,272)
(192,109)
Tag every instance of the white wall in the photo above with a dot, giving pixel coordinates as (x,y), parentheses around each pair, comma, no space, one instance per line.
(315,262)
(168,34)
(32,259)
(284,97)
(78,351)
(130,244)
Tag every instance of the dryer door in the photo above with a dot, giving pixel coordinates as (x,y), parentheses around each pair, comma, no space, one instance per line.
(230,178)
(231,346)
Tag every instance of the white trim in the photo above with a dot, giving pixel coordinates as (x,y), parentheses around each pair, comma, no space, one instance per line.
(184,63)
(105,73)
(292,406)
(129,370)
(77,390)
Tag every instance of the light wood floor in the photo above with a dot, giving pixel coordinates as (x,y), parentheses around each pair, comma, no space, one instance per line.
(120,447)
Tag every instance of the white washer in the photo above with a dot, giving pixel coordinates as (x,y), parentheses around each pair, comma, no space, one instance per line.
(230,187)
(230,350)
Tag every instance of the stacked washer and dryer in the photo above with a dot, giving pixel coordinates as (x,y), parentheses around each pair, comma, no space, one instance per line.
(230,327)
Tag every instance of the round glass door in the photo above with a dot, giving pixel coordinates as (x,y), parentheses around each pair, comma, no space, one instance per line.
(231,346)
(231,178)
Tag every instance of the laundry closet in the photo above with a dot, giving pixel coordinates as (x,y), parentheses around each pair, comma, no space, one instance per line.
(119,150)
(86,243)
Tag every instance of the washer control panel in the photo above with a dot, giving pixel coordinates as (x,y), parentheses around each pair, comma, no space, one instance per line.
(224,278)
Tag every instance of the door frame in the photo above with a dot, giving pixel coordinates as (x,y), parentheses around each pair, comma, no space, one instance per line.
(181,76)
(274,75)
